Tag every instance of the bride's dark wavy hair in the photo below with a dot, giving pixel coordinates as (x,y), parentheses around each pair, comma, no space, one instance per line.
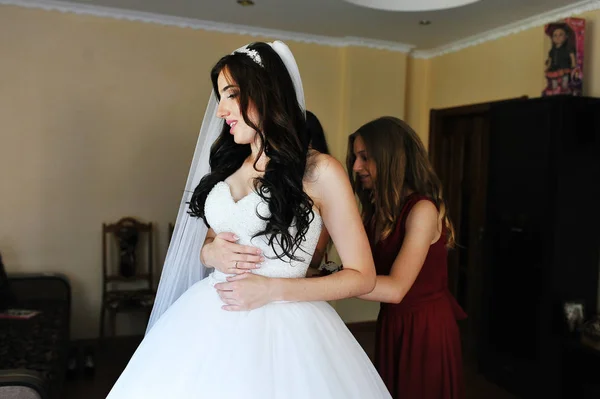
(282,136)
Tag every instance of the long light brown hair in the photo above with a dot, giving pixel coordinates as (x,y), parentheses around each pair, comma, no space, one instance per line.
(402,167)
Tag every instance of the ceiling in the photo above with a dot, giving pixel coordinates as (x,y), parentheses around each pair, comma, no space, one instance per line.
(338,18)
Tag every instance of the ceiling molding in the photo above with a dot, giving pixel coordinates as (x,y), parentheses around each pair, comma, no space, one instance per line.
(196,24)
(516,27)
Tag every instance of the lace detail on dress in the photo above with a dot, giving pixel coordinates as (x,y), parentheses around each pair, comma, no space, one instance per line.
(241,217)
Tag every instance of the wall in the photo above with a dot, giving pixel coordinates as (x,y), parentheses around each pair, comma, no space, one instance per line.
(508,67)
(100,118)
(369,95)
(99,121)
(417,94)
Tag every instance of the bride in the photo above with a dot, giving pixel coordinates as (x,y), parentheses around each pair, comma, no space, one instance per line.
(267,332)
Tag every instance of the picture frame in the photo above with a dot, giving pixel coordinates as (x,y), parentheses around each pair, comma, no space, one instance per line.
(574,314)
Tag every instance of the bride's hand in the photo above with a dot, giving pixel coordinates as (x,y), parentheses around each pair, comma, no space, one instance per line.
(245,292)
(228,257)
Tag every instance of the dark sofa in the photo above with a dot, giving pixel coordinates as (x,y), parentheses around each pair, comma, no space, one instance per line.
(33,352)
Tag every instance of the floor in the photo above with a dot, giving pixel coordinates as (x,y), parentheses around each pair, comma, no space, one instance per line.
(112,357)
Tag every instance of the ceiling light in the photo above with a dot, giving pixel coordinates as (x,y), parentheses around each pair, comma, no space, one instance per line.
(245,3)
(411,5)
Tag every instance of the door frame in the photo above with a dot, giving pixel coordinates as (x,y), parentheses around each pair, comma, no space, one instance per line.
(471,327)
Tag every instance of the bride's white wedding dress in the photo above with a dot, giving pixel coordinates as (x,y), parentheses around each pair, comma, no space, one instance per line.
(290,350)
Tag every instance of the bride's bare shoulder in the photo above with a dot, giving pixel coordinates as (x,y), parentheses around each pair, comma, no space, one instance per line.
(320,166)
(323,172)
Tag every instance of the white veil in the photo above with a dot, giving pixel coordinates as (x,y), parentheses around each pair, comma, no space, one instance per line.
(182,267)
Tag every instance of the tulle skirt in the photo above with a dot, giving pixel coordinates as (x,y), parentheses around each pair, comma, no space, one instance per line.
(292,350)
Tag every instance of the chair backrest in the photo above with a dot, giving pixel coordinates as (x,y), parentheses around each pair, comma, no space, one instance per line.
(6,296)
(126,237)
(3,277)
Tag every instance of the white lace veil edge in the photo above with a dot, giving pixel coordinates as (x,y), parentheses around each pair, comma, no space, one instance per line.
(182,267)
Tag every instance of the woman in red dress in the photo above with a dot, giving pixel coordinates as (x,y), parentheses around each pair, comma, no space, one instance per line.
(418,350)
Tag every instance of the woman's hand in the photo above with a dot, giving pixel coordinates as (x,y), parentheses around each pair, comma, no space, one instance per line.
(245,291)
(225,255)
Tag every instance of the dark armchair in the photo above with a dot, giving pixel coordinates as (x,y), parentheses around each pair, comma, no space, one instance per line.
(33,352)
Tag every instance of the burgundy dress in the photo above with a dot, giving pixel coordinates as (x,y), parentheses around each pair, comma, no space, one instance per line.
(418,351)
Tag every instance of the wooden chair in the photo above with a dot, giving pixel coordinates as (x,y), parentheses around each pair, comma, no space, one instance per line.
(119,295)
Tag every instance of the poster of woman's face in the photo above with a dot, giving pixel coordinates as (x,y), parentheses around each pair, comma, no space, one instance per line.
(564,62)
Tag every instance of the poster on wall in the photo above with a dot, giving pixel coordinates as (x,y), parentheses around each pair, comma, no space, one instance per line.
(564,61)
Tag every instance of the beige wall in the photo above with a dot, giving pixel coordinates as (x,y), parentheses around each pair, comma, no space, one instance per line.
(509,67)
(99,121)
(100,117)
(417,94)
(368,95)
